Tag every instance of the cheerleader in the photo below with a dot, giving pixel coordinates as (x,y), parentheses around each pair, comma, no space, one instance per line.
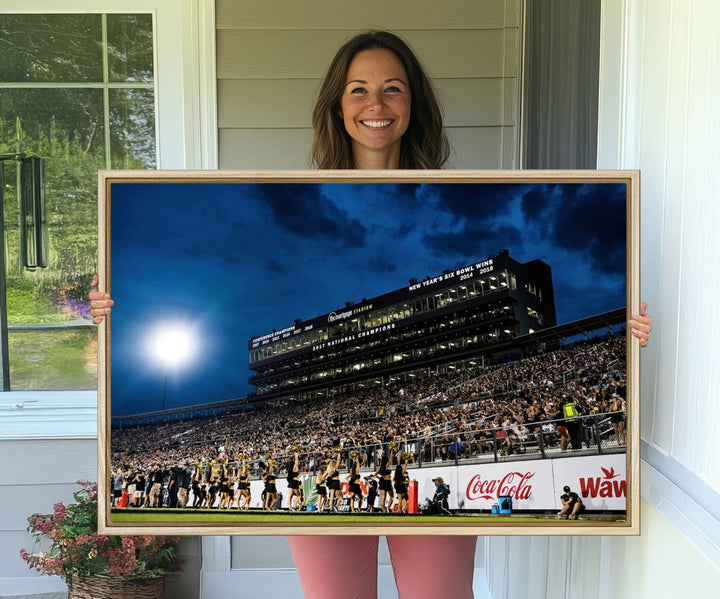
(321,490)
(197,488)
(617,418)
(383,473)
(372,487)
(271,494)
(401,483)
(224,489)
(212,491)
(243,479)
(353,479)
(293,481)
(332,476)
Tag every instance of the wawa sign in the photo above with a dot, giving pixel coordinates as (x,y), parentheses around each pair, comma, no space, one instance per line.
(599,480)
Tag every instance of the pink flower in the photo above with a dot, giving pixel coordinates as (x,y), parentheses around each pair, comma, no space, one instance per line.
(128,543)
(121,562)
(25,555)
(43,526)
(59,512)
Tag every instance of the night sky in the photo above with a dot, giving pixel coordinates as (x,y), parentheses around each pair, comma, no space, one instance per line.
(233,261)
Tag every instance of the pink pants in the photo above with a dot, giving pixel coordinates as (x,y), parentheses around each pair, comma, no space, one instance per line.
(424,566)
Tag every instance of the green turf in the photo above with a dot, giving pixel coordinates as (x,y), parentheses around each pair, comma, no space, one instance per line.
(309,518)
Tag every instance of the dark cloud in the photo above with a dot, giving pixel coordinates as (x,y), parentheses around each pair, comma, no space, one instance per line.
(304,211)
(275,266)
(473,241)
(381,265)
(537,204)
(403,229)
(591,218)
(472,202)
(583,218)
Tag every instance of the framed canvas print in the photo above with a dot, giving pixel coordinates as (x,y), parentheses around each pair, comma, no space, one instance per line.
(395,352)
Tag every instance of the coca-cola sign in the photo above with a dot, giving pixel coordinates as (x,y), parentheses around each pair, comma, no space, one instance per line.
(514,484)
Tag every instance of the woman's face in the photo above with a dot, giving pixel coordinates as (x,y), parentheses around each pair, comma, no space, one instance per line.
(375,104)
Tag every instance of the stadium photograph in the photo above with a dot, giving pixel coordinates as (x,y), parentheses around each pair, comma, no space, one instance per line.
(316,353)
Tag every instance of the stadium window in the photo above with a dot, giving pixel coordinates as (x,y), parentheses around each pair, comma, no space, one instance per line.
(78,90)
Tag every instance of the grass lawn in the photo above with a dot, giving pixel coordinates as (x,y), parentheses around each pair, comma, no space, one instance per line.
(237,518)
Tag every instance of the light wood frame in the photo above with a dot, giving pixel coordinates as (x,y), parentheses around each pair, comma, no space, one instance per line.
(463,526)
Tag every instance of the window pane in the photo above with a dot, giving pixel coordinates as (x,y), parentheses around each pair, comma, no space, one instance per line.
(52,120)
(132,128)
(56,359)
(38,48)
(52,345)
(130,47)
(65,127)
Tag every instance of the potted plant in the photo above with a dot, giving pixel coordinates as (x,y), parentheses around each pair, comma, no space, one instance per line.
(96,566)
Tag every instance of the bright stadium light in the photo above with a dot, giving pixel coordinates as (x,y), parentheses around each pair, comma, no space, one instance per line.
(171,345)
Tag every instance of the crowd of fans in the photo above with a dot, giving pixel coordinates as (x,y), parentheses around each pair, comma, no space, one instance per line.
(507,408)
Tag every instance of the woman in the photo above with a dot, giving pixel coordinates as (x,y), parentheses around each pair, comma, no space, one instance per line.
(243,479)
(353,479)
(293,481)
(383,474)
(271,493)
(617,418)
(332,476)
(197,489)
(321,490)
(400,481)
(224,489)
(212,488)
(376,110)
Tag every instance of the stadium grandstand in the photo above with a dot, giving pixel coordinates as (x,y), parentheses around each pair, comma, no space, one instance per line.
(466,367)
(446,322)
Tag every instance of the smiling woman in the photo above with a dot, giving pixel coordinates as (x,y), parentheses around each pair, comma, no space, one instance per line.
(371,84)
(375,108)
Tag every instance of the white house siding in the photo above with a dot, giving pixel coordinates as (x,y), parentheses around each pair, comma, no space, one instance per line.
(659,84)
(271,57)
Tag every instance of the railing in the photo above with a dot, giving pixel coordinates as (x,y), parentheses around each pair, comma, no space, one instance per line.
(594,435)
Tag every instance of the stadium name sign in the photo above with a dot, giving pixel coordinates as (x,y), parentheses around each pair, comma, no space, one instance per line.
(354,336)
(335,316)
(466,272)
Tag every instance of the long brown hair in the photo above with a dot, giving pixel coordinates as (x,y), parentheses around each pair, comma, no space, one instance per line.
(424,144)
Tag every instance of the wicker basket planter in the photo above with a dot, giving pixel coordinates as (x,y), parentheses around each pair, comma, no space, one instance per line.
(116,587)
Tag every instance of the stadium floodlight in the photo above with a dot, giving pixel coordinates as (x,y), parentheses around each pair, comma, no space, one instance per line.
(172,345)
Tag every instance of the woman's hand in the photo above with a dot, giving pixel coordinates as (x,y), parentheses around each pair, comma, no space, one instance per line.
(100,303)
(641,325)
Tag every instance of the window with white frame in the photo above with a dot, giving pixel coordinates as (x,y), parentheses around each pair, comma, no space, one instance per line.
(78,92)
